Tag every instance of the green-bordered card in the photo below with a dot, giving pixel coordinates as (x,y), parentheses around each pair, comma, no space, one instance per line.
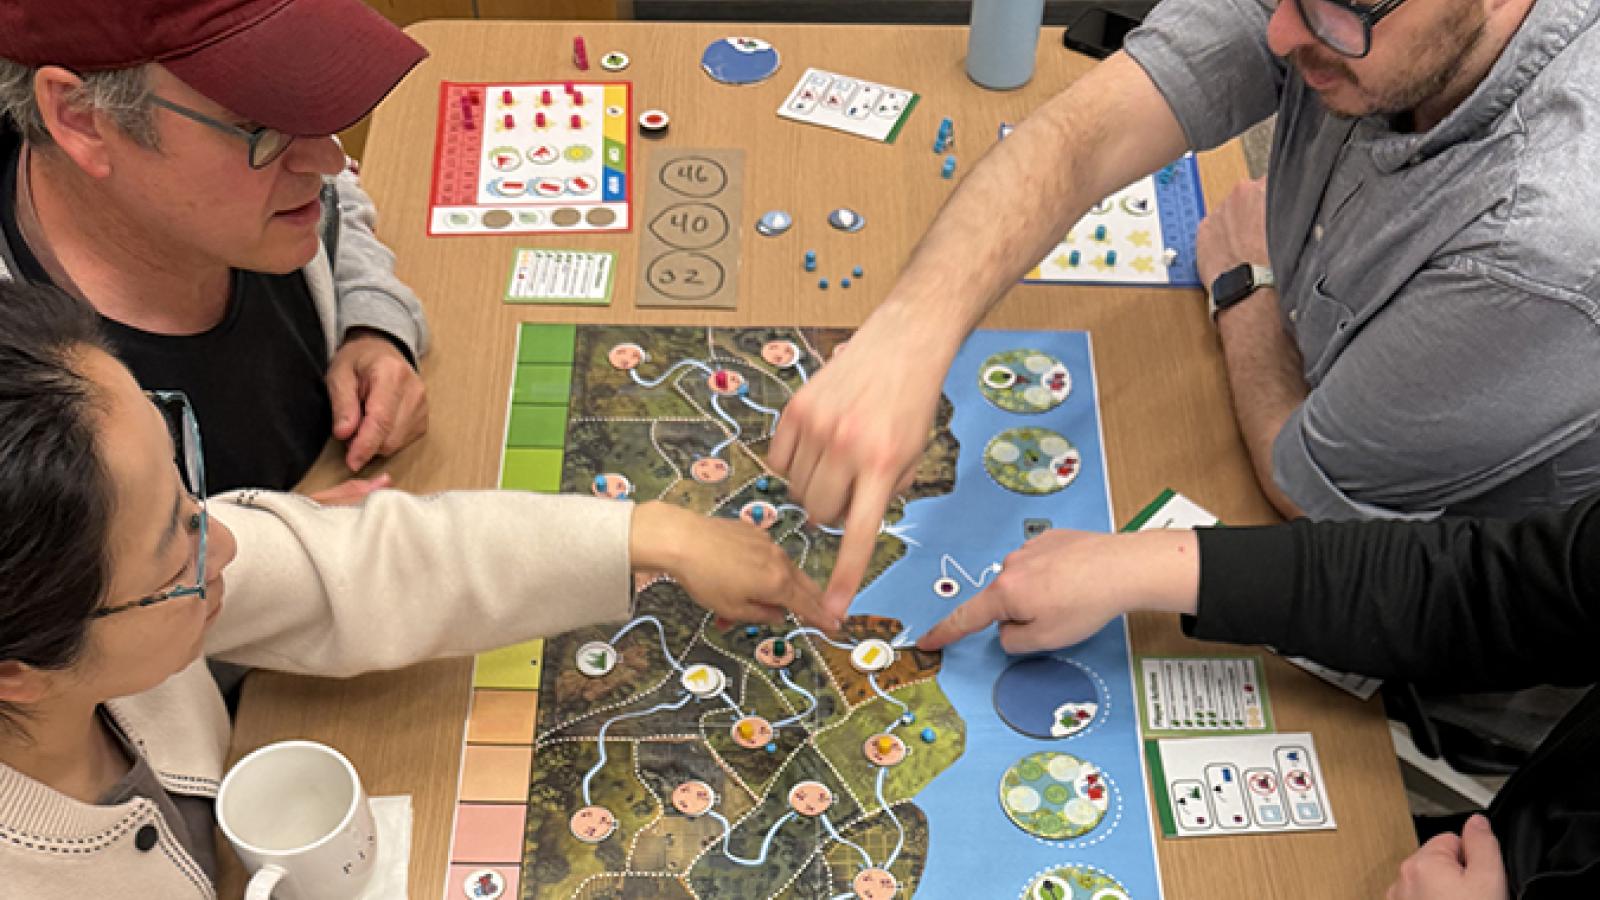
(572,277)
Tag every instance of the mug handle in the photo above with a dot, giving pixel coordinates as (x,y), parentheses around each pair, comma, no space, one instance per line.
(262,883)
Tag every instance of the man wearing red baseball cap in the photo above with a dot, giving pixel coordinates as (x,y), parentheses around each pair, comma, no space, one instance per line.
(170,162)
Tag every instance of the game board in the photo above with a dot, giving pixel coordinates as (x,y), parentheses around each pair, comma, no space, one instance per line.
(532,158)
(1142,234)
(678,756)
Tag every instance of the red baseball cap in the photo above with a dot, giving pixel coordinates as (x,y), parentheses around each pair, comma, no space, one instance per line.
(304,67)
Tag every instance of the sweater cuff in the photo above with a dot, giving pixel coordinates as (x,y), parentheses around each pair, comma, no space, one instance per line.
(1246,585)
(377,311)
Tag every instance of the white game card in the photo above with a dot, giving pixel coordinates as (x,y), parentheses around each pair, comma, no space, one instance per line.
(1256,784)
(848,104)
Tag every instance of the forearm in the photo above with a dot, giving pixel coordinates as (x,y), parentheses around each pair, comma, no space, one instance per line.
(1472,603)
(401,578)
(1264,377)
(1106,130)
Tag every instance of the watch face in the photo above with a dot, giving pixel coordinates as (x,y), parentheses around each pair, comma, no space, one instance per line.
(1232,286)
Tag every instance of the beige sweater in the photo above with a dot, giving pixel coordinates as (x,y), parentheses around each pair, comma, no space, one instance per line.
(328,591)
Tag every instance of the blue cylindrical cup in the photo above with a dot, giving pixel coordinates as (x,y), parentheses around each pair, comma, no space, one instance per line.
(1003,41)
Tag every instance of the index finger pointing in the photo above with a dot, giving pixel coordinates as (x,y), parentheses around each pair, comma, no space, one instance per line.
(855,548)
(969,618)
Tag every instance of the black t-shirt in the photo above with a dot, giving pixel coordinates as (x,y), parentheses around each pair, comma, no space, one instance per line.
(255,379)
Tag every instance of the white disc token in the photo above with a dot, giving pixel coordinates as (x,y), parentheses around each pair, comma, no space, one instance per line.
(484,884)
(872,655)
(946,587)
(703,681)
(615,61)
(597,658)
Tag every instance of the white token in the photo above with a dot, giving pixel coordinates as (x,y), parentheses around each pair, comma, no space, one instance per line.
(946,587)
(614,61)
(872,655)
(484,884)
(703,681)
(596,658)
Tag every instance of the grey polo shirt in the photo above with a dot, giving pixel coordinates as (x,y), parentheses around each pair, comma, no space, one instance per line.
(1443,287)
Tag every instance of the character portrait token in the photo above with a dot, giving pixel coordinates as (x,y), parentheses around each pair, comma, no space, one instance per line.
(810,798)
(693,798)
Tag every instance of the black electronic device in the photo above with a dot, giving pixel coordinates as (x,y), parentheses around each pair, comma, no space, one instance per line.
(1098,32)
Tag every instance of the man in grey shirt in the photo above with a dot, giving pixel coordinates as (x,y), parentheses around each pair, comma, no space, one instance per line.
(1431,219)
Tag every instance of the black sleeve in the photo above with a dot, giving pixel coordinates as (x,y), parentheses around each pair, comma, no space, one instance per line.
(1472,604)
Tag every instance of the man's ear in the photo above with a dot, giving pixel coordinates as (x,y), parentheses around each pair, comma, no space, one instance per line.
(22,684)
(75,128)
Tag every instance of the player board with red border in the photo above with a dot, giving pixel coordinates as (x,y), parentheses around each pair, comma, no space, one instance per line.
(532,158)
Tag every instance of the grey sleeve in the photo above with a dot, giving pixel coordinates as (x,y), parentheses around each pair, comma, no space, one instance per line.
(369,295)
(1462,382)
(1209,59)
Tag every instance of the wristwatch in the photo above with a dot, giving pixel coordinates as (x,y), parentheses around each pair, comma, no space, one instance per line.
(1236,284)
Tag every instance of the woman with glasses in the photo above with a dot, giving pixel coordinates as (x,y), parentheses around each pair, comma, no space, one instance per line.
(118,575)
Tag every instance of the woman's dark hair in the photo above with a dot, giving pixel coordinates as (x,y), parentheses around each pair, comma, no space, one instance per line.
(55,493)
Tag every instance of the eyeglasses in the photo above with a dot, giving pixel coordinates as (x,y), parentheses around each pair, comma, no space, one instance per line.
(185,431)
(1345,27)
(266,144)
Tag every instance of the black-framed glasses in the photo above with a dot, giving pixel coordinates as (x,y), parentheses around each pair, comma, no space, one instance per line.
(266,144)
(1343,26)
(185,432)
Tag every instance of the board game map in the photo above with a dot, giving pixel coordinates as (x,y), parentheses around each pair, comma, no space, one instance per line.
(679,756)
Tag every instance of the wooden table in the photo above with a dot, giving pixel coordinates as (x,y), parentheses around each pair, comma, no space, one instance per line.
(1164,395)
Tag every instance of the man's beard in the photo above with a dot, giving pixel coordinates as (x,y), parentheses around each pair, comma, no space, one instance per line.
(1425,77)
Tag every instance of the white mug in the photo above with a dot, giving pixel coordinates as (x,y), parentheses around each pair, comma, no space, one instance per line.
(297,816)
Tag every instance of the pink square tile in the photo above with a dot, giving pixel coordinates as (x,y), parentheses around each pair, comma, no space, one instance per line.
(489,833)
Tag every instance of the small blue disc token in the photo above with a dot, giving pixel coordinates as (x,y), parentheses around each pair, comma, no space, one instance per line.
(856,271)
(844,282)
(822,283)
(739,60)
(772,748)
(751,631)
(927,735)
(762,483)
(909,717)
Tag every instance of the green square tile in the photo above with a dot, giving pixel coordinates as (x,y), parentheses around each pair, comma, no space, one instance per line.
(547,343)
(542,385)
(537,426)
(510,668)
(532,469)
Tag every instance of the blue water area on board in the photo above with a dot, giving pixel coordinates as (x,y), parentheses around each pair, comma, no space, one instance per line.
(974,849)
(739,60)
(1028,694)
